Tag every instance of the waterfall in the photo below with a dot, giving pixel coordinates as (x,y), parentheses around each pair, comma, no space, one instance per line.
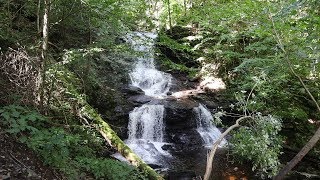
(144,75)
(205,128)
(145,128)
(146,122)
(146,133)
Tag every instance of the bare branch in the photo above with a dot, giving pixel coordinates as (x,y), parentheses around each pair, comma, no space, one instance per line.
(216,144)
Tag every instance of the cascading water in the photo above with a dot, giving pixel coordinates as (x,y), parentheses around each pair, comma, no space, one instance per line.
(205,128)
(145,75)
(146,122)
(146,125)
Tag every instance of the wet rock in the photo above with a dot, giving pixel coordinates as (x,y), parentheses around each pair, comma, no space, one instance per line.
(140,99)
(187,137)
(180,105)
(179,114)
(178,32)
(119,40)
(182,175)
(210,102)
(181,125)
(195,79)
(132,90)
(155,166)
(166,147)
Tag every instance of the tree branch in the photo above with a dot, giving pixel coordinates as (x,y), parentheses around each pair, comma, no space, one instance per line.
(216,144)
(315,138)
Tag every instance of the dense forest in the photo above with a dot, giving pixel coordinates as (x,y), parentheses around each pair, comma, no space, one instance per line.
(159,89)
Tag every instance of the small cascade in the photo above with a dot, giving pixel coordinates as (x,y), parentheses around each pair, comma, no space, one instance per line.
(144,75)
(146,133)
(146,122)
(145,128)
(205,128)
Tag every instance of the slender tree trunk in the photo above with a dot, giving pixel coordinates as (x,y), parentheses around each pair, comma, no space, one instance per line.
(38,16)
(45,28)
(169,15)
(216,144)
(304,151)
(9,17)
(45,32)
(185,7)
(316,136)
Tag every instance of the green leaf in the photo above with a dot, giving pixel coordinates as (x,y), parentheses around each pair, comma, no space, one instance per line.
(15,114)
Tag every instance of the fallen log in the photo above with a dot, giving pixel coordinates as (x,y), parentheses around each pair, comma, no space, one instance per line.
(112,138)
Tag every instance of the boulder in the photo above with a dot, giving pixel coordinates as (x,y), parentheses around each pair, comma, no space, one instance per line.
(180,126)
(132,90)
(140,99)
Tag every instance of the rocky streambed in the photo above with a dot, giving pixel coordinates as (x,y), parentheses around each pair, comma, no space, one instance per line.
(169,121)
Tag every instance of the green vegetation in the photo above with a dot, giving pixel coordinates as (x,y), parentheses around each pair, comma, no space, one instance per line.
(255,44)
(260,137)
(267,52)
(75,150)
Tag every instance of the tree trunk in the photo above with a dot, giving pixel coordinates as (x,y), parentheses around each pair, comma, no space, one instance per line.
(112,138)
(45,28)
(45,32)
(169,15)
(315,138)
(185,7)
(304,151)
(38,16)
(215,146)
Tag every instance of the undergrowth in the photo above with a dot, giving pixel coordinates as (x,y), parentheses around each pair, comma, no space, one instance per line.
(75,150)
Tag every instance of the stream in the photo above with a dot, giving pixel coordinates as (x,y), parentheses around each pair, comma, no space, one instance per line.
(171,135)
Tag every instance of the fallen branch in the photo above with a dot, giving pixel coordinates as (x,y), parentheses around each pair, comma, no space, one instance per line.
(216,144)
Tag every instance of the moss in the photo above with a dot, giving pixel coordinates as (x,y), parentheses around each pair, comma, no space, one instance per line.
(116,142)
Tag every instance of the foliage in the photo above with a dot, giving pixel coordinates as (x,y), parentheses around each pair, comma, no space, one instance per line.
(80,61)
(244,39)
(172,44)
(179,67)
(19,74)
(18,119)
(71,153)
(109,169)
(56,147)
(259,143)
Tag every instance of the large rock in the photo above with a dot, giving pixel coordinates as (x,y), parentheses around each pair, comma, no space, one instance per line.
(180,126)
(140,99)
(132,90)
(179,114)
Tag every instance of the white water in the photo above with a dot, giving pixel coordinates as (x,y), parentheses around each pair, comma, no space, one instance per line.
(146,122)
(144,75)
(145,128)
(205,128)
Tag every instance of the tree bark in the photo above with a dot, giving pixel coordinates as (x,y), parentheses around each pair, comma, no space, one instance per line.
(316,136)
(45,28)
(112,138)
(216,144)
(185,7)
(45,32)
(169,16)
(304,151)
(38,16)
